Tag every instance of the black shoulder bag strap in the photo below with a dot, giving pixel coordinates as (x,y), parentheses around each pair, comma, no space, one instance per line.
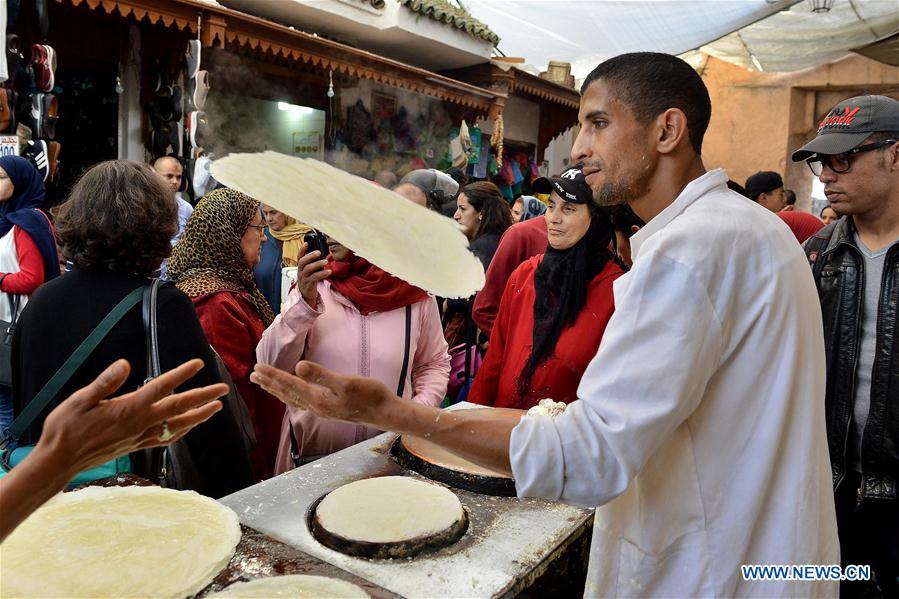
(401,386)
(13,299)
(74,361)
(148,314)
(156,457)
(13,318)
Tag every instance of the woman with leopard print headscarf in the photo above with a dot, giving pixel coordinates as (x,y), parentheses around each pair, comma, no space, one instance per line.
(213,264)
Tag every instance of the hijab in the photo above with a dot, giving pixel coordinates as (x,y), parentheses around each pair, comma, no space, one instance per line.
(370,288)
(209,259)
(22,210)
(531,208)
(564,276)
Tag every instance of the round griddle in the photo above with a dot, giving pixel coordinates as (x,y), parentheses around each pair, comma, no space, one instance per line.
(400,549)
(436,463)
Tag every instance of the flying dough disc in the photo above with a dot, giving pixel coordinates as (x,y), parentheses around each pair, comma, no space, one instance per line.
(389,516)
(295,586)
(409,241)
(119,542)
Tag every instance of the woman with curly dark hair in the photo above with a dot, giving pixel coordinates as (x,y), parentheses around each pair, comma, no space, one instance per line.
(115,229)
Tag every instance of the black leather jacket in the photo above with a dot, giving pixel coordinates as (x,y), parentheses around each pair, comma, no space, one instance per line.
(839,270)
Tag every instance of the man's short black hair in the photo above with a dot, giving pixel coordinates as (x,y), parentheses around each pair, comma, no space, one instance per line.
(650,83)
(624,219)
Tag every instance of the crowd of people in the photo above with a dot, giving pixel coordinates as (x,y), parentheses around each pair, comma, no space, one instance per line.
(714,416)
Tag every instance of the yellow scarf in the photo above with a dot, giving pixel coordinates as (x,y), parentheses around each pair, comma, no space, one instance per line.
(291,238)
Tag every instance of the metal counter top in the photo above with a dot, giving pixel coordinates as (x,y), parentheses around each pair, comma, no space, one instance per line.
(509,542)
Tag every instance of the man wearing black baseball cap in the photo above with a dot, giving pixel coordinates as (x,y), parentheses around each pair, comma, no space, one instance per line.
(856,268)
(767,189)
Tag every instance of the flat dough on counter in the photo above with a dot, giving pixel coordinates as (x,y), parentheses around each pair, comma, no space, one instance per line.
(295,586)
(409,241)
(119,542)
(389,516)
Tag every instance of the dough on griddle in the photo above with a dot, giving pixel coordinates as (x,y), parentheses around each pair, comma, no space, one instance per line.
(409,241)
(119,542)
(296,586)
(389,509)
(440,456)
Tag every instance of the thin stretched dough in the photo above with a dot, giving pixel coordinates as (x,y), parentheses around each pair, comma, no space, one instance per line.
(295,586)
(119,542)
(409,241)
(389,509)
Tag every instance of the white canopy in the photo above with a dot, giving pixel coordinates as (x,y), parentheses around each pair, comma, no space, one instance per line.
(782,35)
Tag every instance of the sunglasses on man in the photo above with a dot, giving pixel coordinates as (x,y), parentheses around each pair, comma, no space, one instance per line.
(841,163)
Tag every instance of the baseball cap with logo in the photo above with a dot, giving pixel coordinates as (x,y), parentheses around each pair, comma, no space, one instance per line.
(849,124)
(572,186)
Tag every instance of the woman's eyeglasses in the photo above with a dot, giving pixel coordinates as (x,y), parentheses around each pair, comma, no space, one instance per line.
(259,228)
(841,163)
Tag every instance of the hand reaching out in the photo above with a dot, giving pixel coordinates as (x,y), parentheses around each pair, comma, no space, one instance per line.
(87,429)
(323,392)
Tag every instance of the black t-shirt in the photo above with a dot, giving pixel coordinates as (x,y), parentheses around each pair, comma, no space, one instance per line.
(63,312)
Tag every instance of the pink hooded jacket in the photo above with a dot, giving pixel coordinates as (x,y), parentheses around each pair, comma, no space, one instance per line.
(338,337)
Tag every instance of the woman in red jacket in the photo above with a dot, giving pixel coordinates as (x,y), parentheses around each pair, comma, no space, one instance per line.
(213,264)
(555,306)
(28,255)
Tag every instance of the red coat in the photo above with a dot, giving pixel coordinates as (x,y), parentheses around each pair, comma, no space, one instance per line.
(234,328)
(510,343)
(520,242)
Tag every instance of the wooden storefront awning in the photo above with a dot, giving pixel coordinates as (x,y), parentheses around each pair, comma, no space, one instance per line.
(230,29)
(558,104)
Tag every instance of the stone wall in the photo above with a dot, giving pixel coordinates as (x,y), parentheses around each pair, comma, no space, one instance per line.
(758,118)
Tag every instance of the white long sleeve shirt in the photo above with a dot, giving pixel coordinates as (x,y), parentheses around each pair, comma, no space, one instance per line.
(700,426)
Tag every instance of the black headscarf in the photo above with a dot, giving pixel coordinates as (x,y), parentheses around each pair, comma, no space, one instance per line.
(560,286)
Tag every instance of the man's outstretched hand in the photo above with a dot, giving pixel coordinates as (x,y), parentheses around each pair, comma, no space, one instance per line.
(326,393)
(481,436)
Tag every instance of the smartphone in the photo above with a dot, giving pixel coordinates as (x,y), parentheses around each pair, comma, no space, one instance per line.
(316,240)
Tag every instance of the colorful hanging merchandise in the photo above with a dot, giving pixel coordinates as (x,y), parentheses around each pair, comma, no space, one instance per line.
(426,142)
(459,147)
(360,127)
(384,130)
(403,131)
(496,140)
(521,173)
(479,170)
(32,112)
(474,152)
(505,177)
